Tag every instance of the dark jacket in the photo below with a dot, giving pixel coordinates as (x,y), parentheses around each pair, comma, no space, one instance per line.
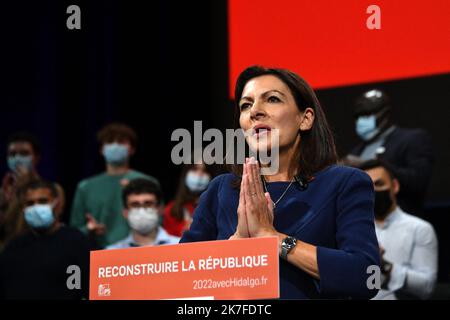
(409,153)
(335,213)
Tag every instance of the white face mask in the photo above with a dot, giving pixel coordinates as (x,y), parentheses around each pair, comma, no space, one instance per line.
(196,182)
(143,220)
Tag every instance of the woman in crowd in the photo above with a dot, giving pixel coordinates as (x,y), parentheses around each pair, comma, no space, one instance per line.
(178,213)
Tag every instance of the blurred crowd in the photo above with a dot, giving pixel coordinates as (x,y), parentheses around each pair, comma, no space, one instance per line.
(122,207)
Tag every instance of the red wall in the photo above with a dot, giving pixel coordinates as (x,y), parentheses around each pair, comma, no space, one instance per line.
(327,41)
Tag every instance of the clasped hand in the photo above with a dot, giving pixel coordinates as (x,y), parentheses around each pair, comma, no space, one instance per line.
(255,210)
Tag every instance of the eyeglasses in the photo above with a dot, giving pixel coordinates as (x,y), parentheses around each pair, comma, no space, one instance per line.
(145,204)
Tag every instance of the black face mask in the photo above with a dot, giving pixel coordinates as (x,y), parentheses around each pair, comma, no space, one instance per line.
(383,203)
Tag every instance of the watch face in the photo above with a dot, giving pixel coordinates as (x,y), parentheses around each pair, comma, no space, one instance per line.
(289,242)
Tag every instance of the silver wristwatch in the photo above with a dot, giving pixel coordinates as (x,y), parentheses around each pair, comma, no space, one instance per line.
(287,245)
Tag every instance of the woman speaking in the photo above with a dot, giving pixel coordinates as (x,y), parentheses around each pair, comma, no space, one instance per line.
(321,213)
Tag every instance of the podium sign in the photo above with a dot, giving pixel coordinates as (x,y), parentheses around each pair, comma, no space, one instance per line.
(225,269)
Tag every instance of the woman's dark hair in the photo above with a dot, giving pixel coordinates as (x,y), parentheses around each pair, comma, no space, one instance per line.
(184,195)
(317,148)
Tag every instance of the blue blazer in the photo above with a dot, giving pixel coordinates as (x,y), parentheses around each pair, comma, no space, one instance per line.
(334,213)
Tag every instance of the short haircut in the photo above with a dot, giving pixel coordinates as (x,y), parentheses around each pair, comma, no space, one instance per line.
(371,102)
(117,130)
(377,163)
(39,184)
(24,136)
(141,186)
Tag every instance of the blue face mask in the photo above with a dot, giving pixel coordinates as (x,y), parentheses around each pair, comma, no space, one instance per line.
(39,216)
(14,162)
(196,182)
(366,127)
(115,153)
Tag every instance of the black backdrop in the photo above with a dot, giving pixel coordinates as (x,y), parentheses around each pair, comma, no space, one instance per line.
(158,65)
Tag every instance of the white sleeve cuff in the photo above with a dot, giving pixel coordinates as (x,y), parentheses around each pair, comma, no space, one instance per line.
(398,277)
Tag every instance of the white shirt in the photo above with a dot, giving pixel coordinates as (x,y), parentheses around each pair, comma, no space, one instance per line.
(162,237)
(411,245)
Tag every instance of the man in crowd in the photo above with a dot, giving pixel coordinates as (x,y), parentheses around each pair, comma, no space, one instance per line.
(142,200)
(409,152)
(97,206)
(408,244)
(35,264)
(23,155)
